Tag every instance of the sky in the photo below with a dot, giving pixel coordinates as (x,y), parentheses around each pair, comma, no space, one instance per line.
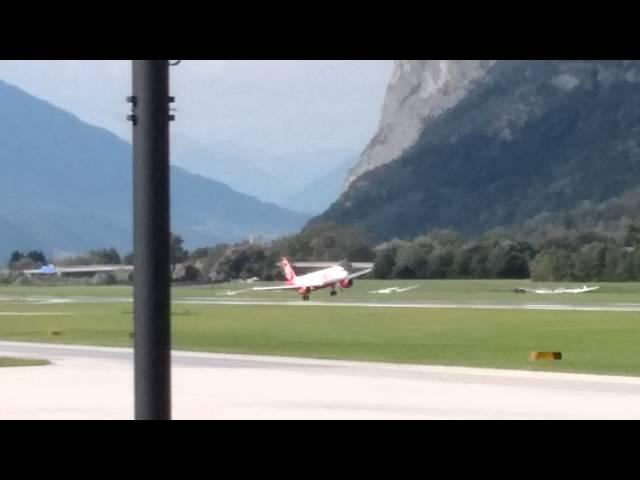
(279,107)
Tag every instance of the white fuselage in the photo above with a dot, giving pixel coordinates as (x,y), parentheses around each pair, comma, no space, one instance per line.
(322,278)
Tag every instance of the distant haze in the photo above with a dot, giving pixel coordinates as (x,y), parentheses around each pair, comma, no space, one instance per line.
(271,108)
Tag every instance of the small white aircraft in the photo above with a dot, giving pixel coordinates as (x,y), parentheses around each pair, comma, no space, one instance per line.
(556,291)
(395,289)
(53,270)
(250,280)
(231,293)
(332,277)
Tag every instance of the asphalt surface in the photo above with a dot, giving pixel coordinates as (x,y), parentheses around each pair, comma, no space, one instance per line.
(96,382)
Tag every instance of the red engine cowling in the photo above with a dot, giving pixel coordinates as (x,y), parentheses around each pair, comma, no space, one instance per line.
(346,283)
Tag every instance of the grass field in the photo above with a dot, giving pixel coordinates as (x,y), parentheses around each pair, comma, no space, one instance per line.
(597,342)
(21,362)
(462,291)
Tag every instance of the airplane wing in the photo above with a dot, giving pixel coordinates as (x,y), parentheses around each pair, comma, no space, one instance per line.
(280,287)
(360,273)
(331,264)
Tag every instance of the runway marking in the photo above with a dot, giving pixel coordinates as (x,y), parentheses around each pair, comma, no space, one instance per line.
(595,308)
(613,307)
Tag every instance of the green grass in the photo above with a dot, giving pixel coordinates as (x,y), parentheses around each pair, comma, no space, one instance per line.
(595,342)
(469,291)
(65,291)
(445,290)
(463,291)
(21,362)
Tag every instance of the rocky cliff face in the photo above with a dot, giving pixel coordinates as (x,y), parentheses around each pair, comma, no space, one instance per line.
(473,145)
(419,91)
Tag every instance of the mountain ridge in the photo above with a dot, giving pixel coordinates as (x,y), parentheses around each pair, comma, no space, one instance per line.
(67,185)
(530,137)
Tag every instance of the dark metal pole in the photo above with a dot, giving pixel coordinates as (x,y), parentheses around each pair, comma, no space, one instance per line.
(152,289)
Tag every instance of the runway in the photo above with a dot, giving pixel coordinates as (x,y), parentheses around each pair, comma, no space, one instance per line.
(213,300)
(97,383)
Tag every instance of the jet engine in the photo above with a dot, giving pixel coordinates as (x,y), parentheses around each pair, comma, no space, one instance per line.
(346,283)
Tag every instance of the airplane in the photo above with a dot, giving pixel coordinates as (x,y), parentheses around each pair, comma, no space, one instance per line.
(250,280)
(53,270)
(231,293)
(44,270)
(547,291)
(332,277)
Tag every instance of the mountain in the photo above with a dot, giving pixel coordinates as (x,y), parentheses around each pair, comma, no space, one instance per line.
(418,92)
(232,166)
(319,194)
(66,185)
(473,145)
(301,181)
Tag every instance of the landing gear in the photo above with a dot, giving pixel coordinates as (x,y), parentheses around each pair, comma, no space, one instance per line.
(305,298)
(333,293)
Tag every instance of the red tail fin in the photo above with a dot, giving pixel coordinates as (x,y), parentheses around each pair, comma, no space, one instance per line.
(289,274)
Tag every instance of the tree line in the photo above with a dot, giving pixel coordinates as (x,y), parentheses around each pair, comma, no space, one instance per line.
(570,255)
(560,255)
(19,260)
